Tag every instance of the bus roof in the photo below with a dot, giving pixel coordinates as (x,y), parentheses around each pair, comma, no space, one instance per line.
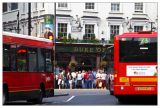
(138,34)
(26,37)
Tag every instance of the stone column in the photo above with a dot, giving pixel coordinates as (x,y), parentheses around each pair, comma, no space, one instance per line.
(97,61)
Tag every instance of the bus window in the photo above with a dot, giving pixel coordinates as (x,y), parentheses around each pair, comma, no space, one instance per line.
(6,58)
(138,50)
(32,56)
(13,57)
(48,61)
(41,60)
(22,59)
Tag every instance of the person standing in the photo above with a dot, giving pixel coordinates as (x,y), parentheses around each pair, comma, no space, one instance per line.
(90,80)
(73,74)
(98,79)
(94,78)
(69,77)
(104,76)
(86,78)
(83,72)
(60,80)
(79,80)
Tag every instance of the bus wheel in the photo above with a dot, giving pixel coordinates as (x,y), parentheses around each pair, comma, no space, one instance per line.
(111,92)
(121,100)
(5,96)
(40,98)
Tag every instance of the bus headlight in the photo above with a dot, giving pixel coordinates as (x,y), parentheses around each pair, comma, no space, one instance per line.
(122,88)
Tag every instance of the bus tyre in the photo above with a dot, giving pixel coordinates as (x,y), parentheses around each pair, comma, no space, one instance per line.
(40,98)
(5,96)
(121,100)
(111,92)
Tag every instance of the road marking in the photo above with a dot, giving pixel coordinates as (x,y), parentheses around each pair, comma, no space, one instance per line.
(70,98)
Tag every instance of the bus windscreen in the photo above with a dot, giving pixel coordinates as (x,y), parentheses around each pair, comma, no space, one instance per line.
(138,49)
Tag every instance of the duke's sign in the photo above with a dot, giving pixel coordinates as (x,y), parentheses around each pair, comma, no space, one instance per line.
(88,49)
(81,49)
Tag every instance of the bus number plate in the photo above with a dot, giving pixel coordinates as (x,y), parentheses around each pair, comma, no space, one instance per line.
(144,88)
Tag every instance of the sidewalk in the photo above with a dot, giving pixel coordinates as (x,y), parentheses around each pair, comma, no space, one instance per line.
(60,92)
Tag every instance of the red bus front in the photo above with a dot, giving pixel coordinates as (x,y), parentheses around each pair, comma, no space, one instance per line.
(135,64)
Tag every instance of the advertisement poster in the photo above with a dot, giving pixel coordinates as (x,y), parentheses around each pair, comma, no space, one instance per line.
(48,26)
(141,70)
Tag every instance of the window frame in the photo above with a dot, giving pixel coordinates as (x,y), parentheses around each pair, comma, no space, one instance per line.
(13,6)
(89,27)
(90,6)
(138,7)
(115,29)
(63,5)
(115,7)
(6,7)
(62,28)
(138,28)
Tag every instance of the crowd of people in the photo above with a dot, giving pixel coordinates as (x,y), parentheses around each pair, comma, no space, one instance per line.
(87,79)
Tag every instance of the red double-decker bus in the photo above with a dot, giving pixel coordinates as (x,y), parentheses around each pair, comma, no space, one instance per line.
(135,65)
(27,68)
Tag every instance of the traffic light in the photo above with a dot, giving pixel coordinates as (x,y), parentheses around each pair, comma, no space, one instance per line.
(50,35)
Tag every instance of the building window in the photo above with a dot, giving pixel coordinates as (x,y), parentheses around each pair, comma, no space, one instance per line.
(138,28)
(89,6)
(115,7)
(114,30)
(36,29)
(35,6)
(89,31)
(62,5)
(139,7)
(5,7)
(62,29)
(14,6)
(23,7)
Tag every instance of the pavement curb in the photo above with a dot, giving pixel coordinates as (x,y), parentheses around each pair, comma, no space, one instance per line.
(61,95)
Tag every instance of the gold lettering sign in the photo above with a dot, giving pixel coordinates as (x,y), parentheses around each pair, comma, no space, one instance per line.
(91,50)
(98,49)
(88,50)
(75,49)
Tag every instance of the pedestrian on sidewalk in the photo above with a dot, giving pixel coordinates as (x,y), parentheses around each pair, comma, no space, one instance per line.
(86,79)
(79,80)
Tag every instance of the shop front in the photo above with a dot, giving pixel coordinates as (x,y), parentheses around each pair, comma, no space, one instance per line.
(79,56)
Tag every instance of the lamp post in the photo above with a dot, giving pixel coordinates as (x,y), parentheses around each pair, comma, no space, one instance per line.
(18,30)
(130,29)
(152,28)
(29,19)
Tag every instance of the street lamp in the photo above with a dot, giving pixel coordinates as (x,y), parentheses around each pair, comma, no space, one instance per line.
(130,29)
(152,28)
(18,23)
